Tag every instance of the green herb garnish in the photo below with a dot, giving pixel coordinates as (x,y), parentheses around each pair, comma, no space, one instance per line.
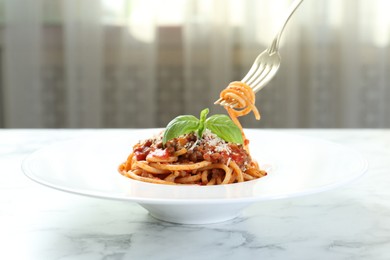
(219,124)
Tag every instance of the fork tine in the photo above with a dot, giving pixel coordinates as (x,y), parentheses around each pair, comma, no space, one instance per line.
(250,72)
(256,74)
(265,79)
(260,77)
(224,103)
(254,67)
(218,101)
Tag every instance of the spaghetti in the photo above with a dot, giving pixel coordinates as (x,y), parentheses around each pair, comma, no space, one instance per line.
(202,160)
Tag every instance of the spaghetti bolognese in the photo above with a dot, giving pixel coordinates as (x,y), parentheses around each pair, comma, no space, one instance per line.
(203,152)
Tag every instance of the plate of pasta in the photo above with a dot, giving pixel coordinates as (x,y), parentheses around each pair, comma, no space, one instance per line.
(296,165)
(196,170)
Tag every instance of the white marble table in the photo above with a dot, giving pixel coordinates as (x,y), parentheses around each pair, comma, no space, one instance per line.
(352,222)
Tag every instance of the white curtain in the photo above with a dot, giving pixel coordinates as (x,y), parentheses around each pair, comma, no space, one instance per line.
(139,63)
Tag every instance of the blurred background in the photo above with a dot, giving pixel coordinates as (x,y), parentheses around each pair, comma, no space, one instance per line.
(139,63)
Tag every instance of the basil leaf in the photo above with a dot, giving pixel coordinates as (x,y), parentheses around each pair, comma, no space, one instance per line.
(179,126)
(224,128)
(221,125)
(203,115)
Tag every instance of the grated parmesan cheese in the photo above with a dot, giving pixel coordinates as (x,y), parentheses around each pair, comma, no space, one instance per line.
(213,140)
(193,146)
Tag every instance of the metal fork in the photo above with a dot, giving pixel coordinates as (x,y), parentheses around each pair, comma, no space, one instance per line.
(267,63)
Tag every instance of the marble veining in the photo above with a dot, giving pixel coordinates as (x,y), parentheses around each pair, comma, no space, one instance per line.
(351,222)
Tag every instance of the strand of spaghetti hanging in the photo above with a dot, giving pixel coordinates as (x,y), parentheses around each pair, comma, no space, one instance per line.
(239,97)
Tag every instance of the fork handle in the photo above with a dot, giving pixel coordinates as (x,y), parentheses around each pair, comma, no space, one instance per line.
(275,43)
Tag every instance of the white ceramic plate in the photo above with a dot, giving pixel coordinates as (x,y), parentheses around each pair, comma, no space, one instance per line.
(296,165)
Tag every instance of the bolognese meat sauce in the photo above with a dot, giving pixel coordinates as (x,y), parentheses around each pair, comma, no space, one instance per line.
(210,148)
